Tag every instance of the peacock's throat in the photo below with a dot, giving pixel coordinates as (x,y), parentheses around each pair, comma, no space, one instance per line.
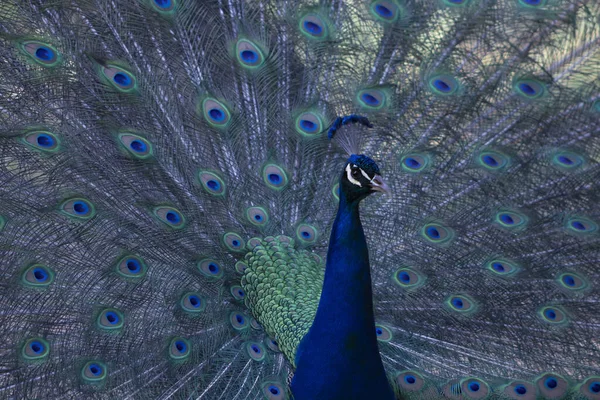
(340,349)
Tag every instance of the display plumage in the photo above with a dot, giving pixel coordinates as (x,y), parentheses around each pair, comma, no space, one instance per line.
(168,187)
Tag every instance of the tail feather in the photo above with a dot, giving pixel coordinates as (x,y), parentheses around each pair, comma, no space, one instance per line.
(147,146)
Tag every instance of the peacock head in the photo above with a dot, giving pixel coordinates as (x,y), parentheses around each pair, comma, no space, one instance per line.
(361,177)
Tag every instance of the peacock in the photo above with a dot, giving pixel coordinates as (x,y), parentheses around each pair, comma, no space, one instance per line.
(311,199)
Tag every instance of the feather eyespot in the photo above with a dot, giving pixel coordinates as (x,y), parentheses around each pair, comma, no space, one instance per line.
(192,303)
(110,319)
(582,226)
(93,372)
(237,292)
(215,113)
(503,268)
(78,208)
(273,390)
(35,349)
(385,10)
(43,140)
(255,351)
(212,183)
(238,321)
(520,390)
(383,333)
(529,89)
(591,387)
(274,177)
(179,349)
(511,220)
(257,216)
(567,161)
(314,27)
(444,85)
(410,381)
(131,267)
(437,234)
(553,315)
(309,124)
(169,216)
(210,268)
(475,388)
(461,304)
(37,275)
(249,55)
(233,242)
(42,53)
(119,78)
(306,233)
(493,160)
(414,163)
(408,278)
(572,281)
(136,145)
(373,99)
(552,386)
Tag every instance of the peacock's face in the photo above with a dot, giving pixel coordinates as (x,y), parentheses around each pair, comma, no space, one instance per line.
(361,177)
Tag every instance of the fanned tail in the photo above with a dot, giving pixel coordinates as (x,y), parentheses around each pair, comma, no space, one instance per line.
(147,146)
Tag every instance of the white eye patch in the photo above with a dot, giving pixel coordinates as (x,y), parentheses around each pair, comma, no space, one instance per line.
(351,179)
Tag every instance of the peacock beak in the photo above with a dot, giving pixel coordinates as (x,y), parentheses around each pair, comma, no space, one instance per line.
(378,185)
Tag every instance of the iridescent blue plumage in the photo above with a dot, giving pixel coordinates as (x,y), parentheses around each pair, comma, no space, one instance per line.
(338,358)
(175,221)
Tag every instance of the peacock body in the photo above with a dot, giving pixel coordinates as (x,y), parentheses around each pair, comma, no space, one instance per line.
(176,223)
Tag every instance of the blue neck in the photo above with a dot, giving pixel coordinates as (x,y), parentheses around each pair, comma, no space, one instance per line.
(339,357)
(347,296)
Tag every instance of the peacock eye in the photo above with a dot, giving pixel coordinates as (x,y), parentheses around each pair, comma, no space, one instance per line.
(355,173)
